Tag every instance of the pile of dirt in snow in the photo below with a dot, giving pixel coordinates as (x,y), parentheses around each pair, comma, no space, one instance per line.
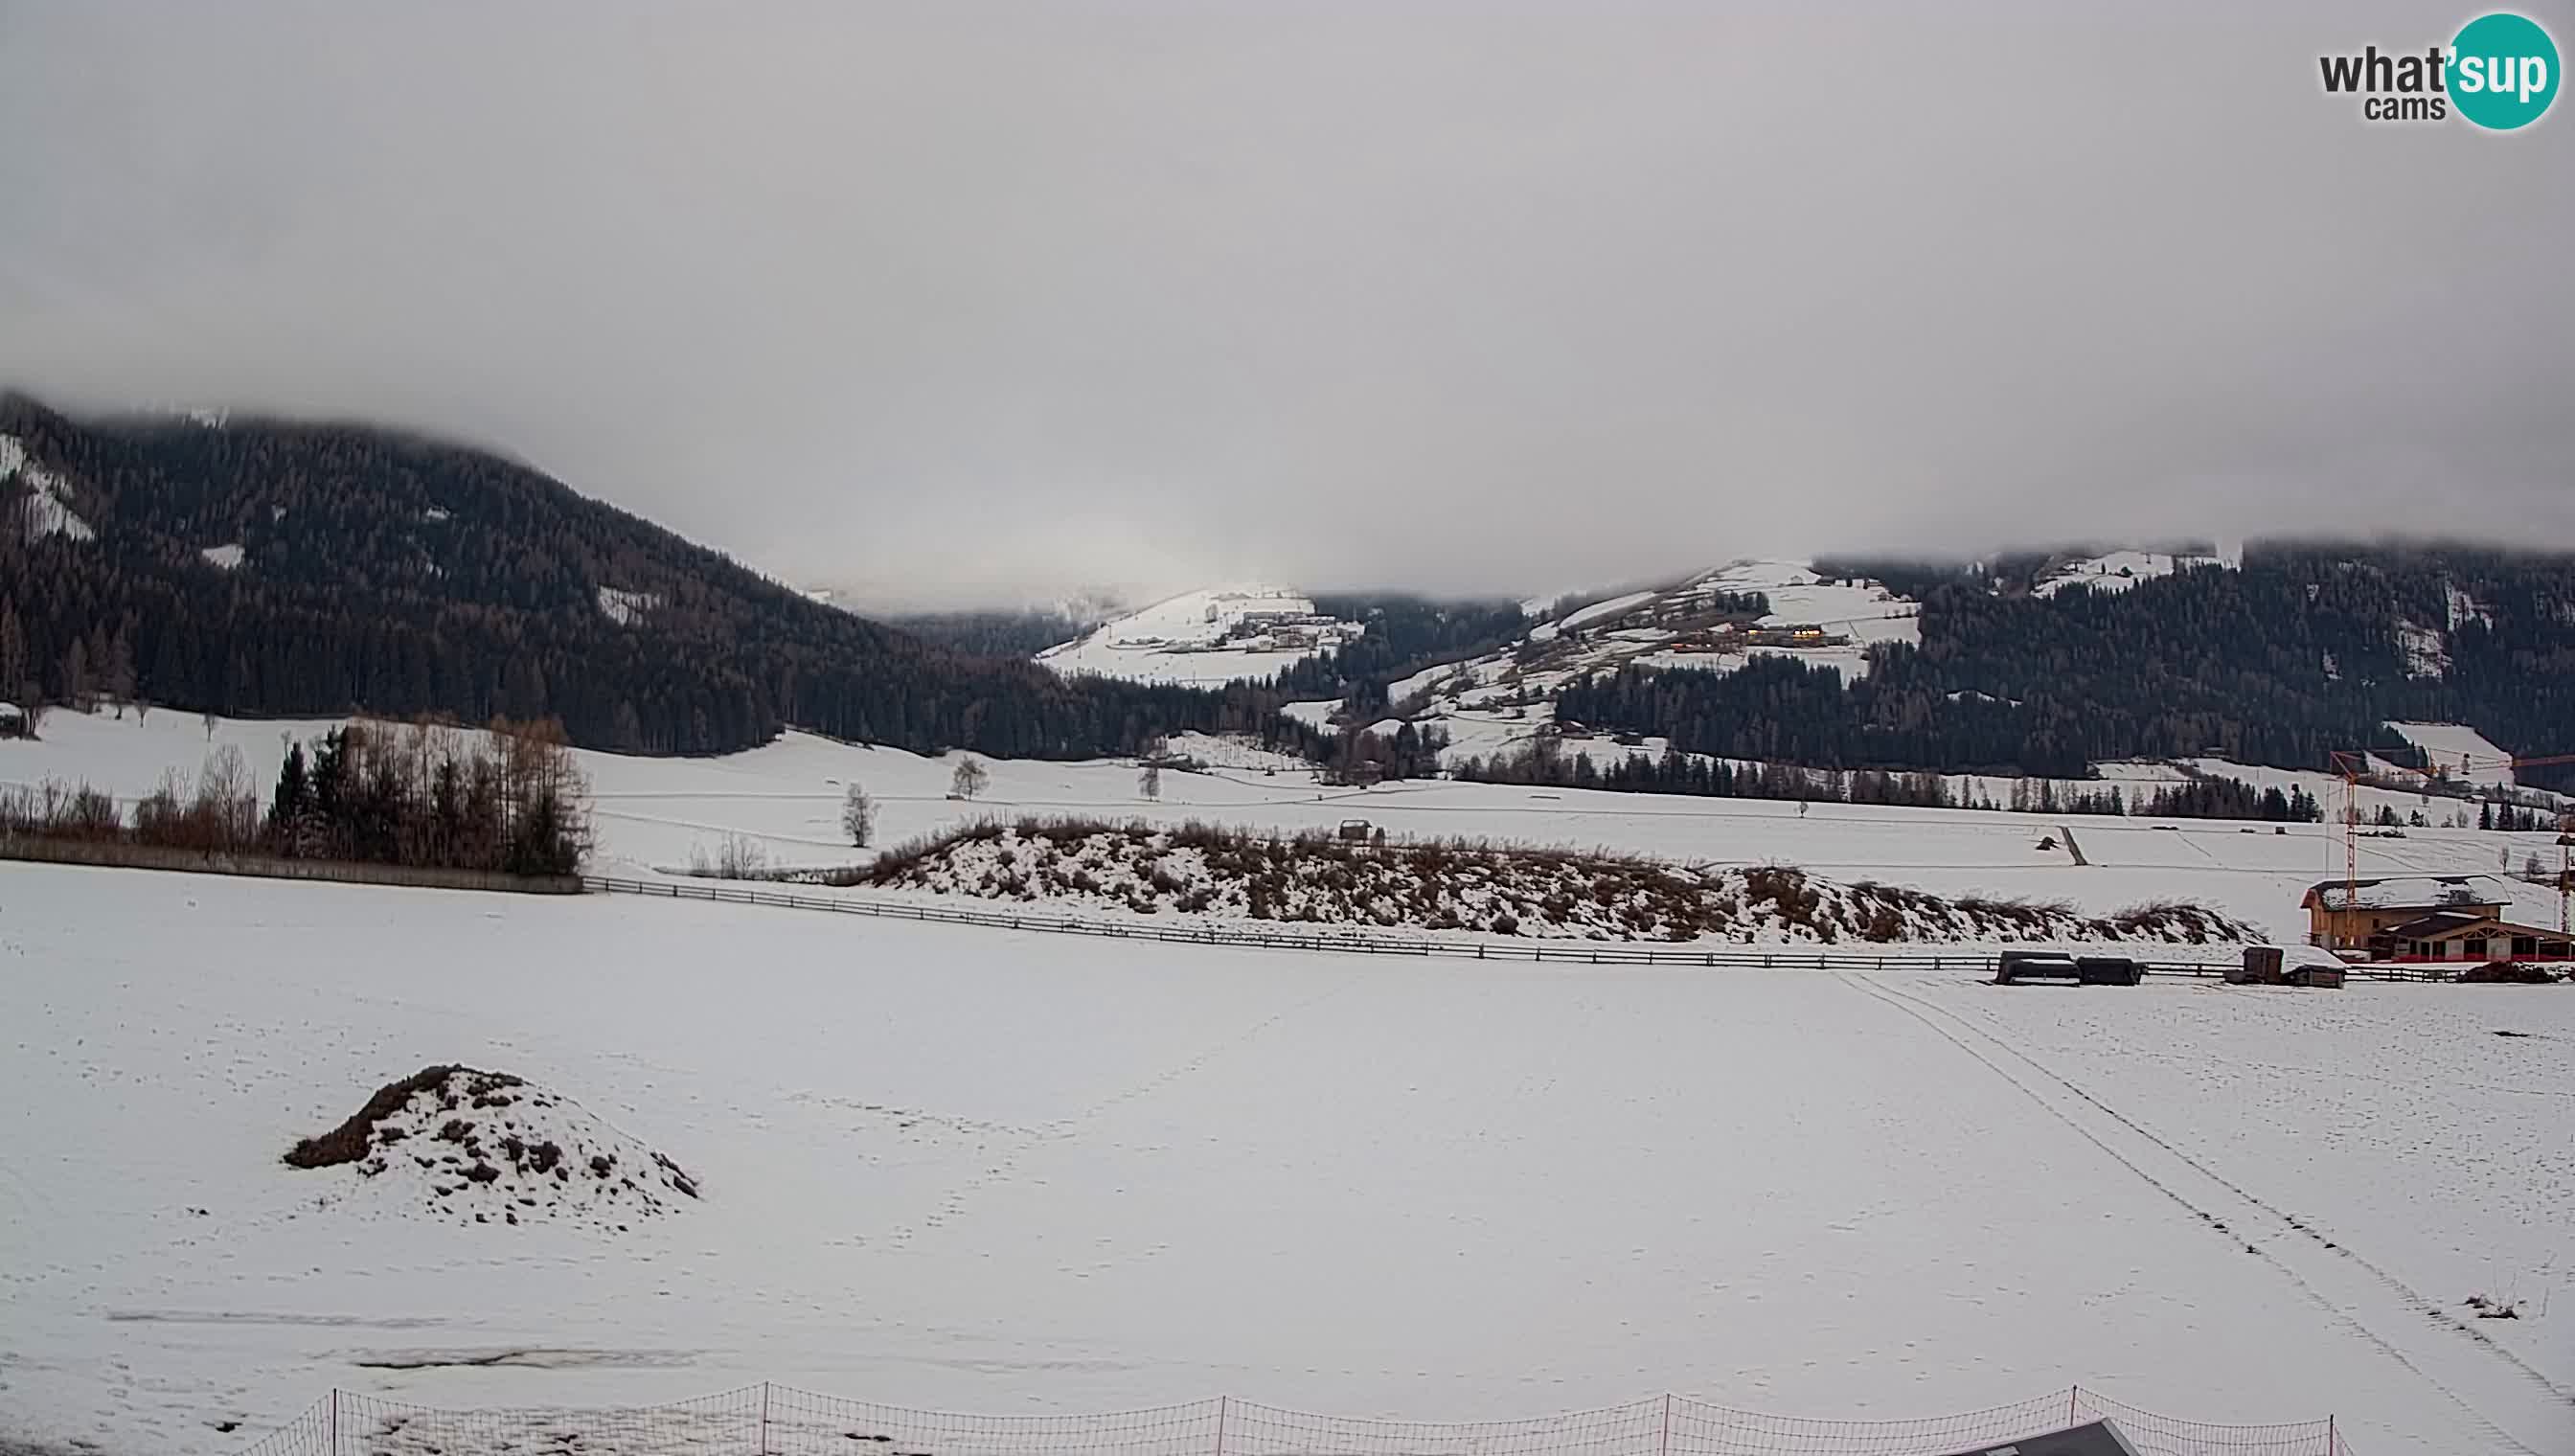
(488,1147)
(1316,879)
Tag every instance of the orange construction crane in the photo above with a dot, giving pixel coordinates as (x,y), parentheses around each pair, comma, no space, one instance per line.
(2354,764)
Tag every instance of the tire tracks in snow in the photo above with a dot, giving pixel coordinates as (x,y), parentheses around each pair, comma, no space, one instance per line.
(2370,1300)
(2421,1304)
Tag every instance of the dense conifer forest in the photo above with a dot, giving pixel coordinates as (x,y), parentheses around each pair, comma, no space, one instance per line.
(1406,633)
(1022,634)
(273,568)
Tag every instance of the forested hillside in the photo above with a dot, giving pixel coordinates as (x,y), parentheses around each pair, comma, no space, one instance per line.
(1021,634)
(268,568)
(2305,649)
(1405,634)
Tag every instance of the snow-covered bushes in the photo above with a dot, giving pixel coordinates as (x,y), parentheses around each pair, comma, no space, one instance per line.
(1462,884)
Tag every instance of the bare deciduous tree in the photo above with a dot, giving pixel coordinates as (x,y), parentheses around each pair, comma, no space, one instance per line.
(227,795)
(736,856)
(1148,781)
(858,816)
(971,777)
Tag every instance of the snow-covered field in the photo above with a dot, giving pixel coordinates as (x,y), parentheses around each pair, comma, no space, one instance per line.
(652,813)
(957,1168)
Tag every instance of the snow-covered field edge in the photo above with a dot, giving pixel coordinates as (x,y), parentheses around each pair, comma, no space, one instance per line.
(781,805)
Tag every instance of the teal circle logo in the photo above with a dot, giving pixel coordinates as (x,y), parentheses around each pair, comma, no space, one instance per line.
(2503,71)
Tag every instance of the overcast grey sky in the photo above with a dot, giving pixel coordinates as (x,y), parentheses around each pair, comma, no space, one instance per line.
(957,300)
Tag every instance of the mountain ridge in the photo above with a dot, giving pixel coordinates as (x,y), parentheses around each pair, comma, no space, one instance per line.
(283,567)
(2035,663)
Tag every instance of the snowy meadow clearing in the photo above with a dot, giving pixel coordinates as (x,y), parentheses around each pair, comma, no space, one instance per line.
(971,1169)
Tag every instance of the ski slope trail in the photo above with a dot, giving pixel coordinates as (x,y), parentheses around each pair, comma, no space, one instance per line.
(2507,1397)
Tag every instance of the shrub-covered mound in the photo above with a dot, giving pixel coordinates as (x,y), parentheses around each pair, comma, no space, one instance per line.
(1452,885)
(486,1147)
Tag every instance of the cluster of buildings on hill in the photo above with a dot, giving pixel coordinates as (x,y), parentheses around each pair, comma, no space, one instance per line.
(1258,632)
(1734,638)
(1252,620)
(1286,629)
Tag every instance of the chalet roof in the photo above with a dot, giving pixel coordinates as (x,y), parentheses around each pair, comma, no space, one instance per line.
(2439,922)
(2442,924)
(2408,892)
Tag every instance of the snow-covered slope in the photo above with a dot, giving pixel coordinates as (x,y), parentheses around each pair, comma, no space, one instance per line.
(2117,570)
(1851,615)
(970,1170)
(46,506)
(1493,704)
(1685,624)
(1208,636)
(2426,649)
(626,607)
(2460,752)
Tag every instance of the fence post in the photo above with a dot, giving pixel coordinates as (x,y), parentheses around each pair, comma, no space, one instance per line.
(1663,1444)
(335,1421)
(763,1418)
(1222,1404)
(2074,1393)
